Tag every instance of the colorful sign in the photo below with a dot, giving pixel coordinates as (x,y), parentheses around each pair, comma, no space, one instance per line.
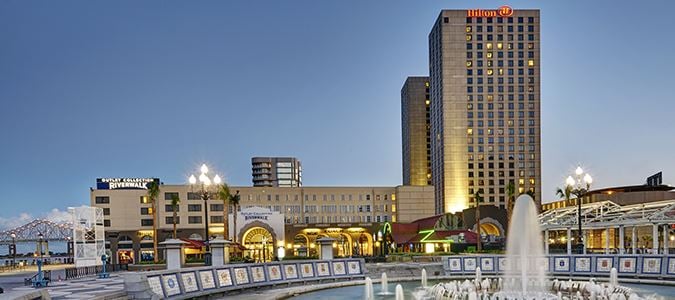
(502,11)
(124,183)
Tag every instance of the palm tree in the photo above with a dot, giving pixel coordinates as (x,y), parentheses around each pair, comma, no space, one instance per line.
(224,194)
(153,193)
(478,198)
(174,207)
(565,194)
(235,203)
(511,193)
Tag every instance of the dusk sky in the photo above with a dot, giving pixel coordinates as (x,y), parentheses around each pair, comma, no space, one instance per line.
(154,88)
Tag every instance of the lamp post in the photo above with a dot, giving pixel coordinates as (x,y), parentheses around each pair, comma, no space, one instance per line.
(205,187)
(579,186)
(12,249)
(39,280)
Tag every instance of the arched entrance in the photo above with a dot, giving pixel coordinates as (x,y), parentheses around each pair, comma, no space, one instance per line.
(489,229)
(259,243)
(300,245)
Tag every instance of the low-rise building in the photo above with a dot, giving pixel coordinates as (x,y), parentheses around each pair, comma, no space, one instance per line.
(351,215)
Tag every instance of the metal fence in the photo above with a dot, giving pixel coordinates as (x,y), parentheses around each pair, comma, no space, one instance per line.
(72,273)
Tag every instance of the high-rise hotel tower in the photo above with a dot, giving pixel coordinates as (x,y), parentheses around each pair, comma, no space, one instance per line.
(415,131)
(485,116)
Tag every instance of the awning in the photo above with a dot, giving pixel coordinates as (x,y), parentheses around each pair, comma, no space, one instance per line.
(194,244)
(401,233)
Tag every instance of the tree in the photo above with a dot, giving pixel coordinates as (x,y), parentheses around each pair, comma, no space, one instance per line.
(565,194)
(174,207)
(511,193)
(153,193)
(478,199)
(235,203)
(224,194)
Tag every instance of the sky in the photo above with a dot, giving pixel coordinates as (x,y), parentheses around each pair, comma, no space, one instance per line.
(94,89)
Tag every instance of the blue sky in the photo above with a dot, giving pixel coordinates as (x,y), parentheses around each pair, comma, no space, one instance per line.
(154,88)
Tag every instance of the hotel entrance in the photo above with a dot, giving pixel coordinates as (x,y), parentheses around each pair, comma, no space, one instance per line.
(259,244)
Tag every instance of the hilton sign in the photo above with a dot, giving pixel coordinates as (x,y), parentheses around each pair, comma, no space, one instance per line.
(502,11)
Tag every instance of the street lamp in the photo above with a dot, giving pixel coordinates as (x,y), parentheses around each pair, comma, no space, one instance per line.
(579,185)
(12,249)
(205,186)
(39,280)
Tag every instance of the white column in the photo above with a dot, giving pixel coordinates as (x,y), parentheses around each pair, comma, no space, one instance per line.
(665,239)
(220,252)
(569,241)
(546,241)
(622,237)
(633,239)
(326,248)
(655,239)
(174,255)
(586,241)
(606,240)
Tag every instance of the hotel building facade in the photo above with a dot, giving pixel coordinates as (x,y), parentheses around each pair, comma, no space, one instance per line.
(415,131)
(351,215)
(485,106)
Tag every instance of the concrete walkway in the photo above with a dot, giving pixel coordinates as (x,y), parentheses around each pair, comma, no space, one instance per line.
(85,288)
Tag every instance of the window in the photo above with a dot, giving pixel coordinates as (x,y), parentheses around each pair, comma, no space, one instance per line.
(195,207)
(169,220)
(102,200)
(145,210)
(106,223)
(216,207)
(193,196)
(106,211)
(194,220)
(145,200)
(146,222)
(169,208)
(168,196)
(216,219)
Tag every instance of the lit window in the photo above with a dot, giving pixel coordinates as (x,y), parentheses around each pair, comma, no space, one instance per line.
(521,181)
(531,180)
(530,45)
(530,63)
(468,37)
(427,102)
(469,131)
(468,28)
(488,46)
(500,46)
(469,63)
(489,71)
(488,55)
(500,71)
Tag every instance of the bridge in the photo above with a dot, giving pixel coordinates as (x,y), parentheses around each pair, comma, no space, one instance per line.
(29,232)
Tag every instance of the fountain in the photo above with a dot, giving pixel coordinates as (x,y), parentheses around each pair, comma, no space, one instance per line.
(525,277)
(369,293)
(385,285)
(399,292)
(424,278)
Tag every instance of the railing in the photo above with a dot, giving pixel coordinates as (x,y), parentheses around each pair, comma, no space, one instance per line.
(46,275)
(73,273)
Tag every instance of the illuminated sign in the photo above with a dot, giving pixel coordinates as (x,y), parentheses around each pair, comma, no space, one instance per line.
(256,215)
(124,183)
(502,11)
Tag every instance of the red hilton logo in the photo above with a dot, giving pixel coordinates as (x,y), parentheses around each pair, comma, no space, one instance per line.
(502,11)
